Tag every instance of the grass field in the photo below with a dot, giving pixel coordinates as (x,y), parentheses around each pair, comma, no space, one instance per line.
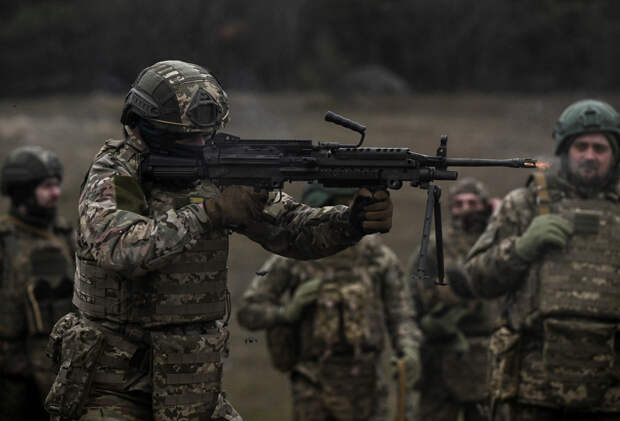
(477,125)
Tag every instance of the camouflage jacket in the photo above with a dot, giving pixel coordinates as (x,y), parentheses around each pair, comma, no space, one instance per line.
(37,268)
(368,262)
(131,229)
(554,346)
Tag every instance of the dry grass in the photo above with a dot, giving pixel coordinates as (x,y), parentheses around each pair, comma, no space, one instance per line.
(477,125)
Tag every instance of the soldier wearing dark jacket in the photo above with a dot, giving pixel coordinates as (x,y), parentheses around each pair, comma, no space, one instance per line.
(36,260)
(150,283)
(552,251)
(456,330)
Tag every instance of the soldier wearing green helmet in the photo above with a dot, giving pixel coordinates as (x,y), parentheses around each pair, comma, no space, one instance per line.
(150,334)
(36,257)
(552,252)
(326,320)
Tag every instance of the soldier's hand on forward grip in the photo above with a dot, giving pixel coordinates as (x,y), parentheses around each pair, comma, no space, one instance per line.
(236,206)
(544,231)
(372,212)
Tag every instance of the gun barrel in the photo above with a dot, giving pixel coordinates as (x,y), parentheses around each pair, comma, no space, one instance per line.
(475,162)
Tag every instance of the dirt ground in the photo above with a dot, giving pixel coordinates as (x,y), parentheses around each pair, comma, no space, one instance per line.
(477,125)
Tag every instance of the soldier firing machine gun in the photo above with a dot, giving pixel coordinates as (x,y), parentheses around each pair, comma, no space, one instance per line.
(268,164)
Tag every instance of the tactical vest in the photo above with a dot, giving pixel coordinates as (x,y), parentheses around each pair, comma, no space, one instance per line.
(348,313)
(37,269)
(583,280)
(190,288)
(576,309)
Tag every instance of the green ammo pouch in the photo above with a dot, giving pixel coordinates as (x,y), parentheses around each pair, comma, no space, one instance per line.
(80,347)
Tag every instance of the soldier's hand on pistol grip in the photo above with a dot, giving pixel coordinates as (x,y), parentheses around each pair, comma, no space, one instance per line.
(413,367)
(236,206)
(544,231)
(306,294)
(372,212)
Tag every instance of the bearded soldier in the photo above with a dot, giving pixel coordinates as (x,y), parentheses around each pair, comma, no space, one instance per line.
(36,256)
(326,321)
(552,249)
(456,330)
(150,282)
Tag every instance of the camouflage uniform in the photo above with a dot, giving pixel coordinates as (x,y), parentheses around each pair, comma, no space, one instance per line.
(456,329)
(555,354)
(334,352)
(539,356)
(150,281)
(36,260)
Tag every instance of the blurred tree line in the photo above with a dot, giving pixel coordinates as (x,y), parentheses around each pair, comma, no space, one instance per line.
(500,45)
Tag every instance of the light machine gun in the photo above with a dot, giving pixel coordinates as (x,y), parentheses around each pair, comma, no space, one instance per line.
(268,164)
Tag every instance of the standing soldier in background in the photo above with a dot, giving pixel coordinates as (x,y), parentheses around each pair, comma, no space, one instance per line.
(36,257)
(151,276)
(552,249)
(326,321)
(456,330)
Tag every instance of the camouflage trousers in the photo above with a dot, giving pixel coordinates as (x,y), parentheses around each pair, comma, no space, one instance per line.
(339,391)
(514,411)
(130,373)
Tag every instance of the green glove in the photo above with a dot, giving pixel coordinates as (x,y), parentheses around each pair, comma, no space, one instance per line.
(544,231)
(413,367)
(307,293)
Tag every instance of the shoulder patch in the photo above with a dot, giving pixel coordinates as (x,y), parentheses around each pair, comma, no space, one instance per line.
(129,195)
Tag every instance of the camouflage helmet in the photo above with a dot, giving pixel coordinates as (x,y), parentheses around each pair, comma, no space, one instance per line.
(316,195)
(586,116)
(469,185)
(27,166)
(177,97)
